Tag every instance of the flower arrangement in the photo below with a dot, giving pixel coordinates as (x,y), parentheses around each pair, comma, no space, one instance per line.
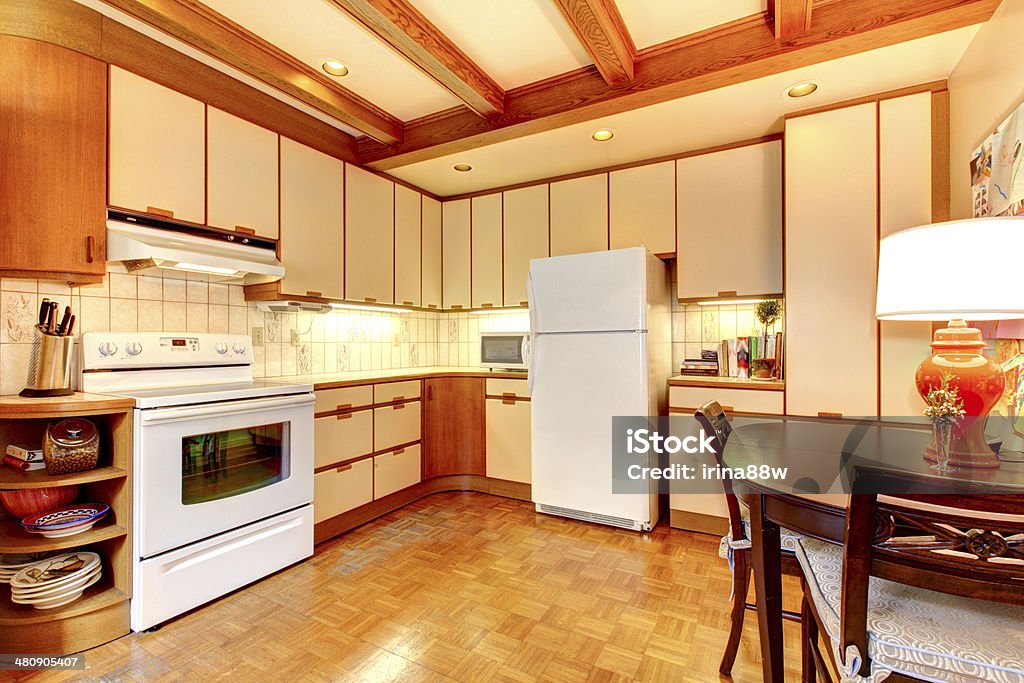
(945,406)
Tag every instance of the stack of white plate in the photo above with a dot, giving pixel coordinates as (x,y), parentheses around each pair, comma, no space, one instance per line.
(56,581)
(12,564)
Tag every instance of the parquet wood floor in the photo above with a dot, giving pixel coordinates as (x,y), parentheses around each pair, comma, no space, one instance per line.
(462,587)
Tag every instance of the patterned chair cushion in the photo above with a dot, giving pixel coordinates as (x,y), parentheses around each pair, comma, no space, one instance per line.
(788,541)
(918,632)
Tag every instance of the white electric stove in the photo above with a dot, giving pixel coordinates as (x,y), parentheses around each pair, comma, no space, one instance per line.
(223,464)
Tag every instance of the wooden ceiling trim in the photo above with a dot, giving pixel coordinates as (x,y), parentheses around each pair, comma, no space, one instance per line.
(602,32)
(747,51)
(411,34)
(216,35)
(789,17)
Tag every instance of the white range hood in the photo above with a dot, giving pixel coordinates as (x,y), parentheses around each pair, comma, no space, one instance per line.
(143,249)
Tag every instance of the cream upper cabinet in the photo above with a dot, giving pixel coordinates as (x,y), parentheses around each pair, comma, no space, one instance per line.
(831,256)
(579,215)
(905,193)
(642,207)
(431,253)
(312,248)
(407,246)
(241,174)
(526,237)
(455,240)
(157,149)
(486,249)
(369,236)
(729,223)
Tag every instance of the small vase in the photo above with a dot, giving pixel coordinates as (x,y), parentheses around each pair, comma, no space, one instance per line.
(943,432)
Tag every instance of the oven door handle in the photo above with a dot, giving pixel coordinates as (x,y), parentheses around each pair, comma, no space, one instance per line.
(163,415)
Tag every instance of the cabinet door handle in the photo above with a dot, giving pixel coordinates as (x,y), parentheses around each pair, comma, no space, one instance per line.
(524,303)
(508,401)
(731,292)
(310,292)
(343,406)
(430,393)
(828,414)
(398,398)
(408,303)
(508,394)
(399,451)
(344,468)
(398,406)
(345,416)
(486,305)
(90,249)
(431,305)
(241,229)
(369,300)
(157,211)
(456,307)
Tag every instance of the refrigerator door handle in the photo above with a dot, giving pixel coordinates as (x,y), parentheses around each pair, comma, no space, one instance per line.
(533,346)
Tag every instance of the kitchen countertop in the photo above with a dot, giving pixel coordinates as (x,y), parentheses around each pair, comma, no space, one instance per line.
(726,383)
(335,380)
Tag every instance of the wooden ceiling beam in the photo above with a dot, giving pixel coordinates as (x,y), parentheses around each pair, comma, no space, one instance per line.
(600,29)
(200,27)
(733,53)
(411,34)
(789,17)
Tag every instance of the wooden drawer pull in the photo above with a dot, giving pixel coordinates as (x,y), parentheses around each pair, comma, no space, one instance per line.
(398,406)
(343,406)
(486,305)
(344,468)
(369,300)
(832,415)
(345,416)
(507,394)
(431,305)
(310,292)
(731,292)
(399,451)
(408,303)
(244,230)
(157,211)
(456,307)
(508,401)
(524,303)
(90,249)
(398,398)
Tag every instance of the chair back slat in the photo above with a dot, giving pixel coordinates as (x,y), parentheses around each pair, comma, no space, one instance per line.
(715,423)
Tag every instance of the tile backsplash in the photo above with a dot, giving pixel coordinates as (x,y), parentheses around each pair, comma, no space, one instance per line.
(338,341)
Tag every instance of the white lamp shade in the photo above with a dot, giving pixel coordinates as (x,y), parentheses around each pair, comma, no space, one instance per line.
(968,269)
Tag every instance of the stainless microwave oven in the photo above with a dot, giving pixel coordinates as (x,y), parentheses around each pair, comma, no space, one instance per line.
(505,350)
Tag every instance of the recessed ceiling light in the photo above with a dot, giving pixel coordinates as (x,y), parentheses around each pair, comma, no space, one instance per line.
(462,168)
(802,89)
(335,67)
(603,134)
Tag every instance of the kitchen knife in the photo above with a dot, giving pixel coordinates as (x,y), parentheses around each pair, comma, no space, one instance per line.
(62,328)
(44,310)
(71,327)
(51,324)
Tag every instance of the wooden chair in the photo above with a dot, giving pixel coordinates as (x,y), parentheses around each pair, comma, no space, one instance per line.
(735,546)
(944,602)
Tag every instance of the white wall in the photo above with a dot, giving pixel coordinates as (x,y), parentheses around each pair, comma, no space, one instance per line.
(984,88)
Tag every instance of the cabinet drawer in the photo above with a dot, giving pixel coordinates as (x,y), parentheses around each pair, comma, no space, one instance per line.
(395,425)
(342,489)
(738,400)
(396,391)
(519,388)
(328,400)
(342,437)
(396,470)
(508,440)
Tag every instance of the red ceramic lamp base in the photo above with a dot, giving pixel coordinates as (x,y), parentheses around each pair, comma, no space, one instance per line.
(980,381)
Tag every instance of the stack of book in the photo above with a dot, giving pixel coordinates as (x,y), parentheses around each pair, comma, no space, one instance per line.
(736,354)
(705,366)
(24,457)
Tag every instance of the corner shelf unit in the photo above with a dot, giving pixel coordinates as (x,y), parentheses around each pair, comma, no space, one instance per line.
(101,614)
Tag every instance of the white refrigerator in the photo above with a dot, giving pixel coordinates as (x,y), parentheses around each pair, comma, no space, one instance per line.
(601,341)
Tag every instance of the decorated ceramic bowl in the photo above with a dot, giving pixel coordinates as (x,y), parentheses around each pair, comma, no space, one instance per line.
(66,517)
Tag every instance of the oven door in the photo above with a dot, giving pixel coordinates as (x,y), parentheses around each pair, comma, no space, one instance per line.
(201,470)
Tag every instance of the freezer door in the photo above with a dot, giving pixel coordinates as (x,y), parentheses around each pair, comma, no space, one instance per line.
(596,292)
(581,381)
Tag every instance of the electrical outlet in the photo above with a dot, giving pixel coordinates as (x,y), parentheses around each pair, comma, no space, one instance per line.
(296,341)
(257,336)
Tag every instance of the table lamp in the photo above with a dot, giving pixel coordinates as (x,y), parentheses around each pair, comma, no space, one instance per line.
(956,271)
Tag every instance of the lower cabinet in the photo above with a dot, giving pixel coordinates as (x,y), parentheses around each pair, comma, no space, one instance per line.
(396,470)
(453,426)
(395,425)
(342,489)
(508,439)
(342,436)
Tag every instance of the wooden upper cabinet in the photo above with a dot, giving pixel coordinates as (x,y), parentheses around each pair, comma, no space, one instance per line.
(642,208)
(579,215)
(369,237)
(455,231)
(486,249)
(407,246)
(241,174)
(831,244)
(157,149)
(729,223)
(52,162)
(431,253)
(312,247)
(526,237)
(453,426)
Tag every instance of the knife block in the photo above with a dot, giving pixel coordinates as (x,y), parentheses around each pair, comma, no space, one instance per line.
(49,365)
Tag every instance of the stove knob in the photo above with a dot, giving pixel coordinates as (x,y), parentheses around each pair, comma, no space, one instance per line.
(133,348)
(108,348)
(221,348)
(238,347)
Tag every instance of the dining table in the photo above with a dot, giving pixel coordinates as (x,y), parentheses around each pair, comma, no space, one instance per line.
(812,466)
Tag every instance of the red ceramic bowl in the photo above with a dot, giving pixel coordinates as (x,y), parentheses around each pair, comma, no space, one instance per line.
(27,502)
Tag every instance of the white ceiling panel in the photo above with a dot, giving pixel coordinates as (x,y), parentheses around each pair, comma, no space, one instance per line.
(730,114)
(314,30)
(654,21)
(514,41)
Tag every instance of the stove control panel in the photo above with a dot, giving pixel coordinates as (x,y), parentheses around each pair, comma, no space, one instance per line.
(136,350)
